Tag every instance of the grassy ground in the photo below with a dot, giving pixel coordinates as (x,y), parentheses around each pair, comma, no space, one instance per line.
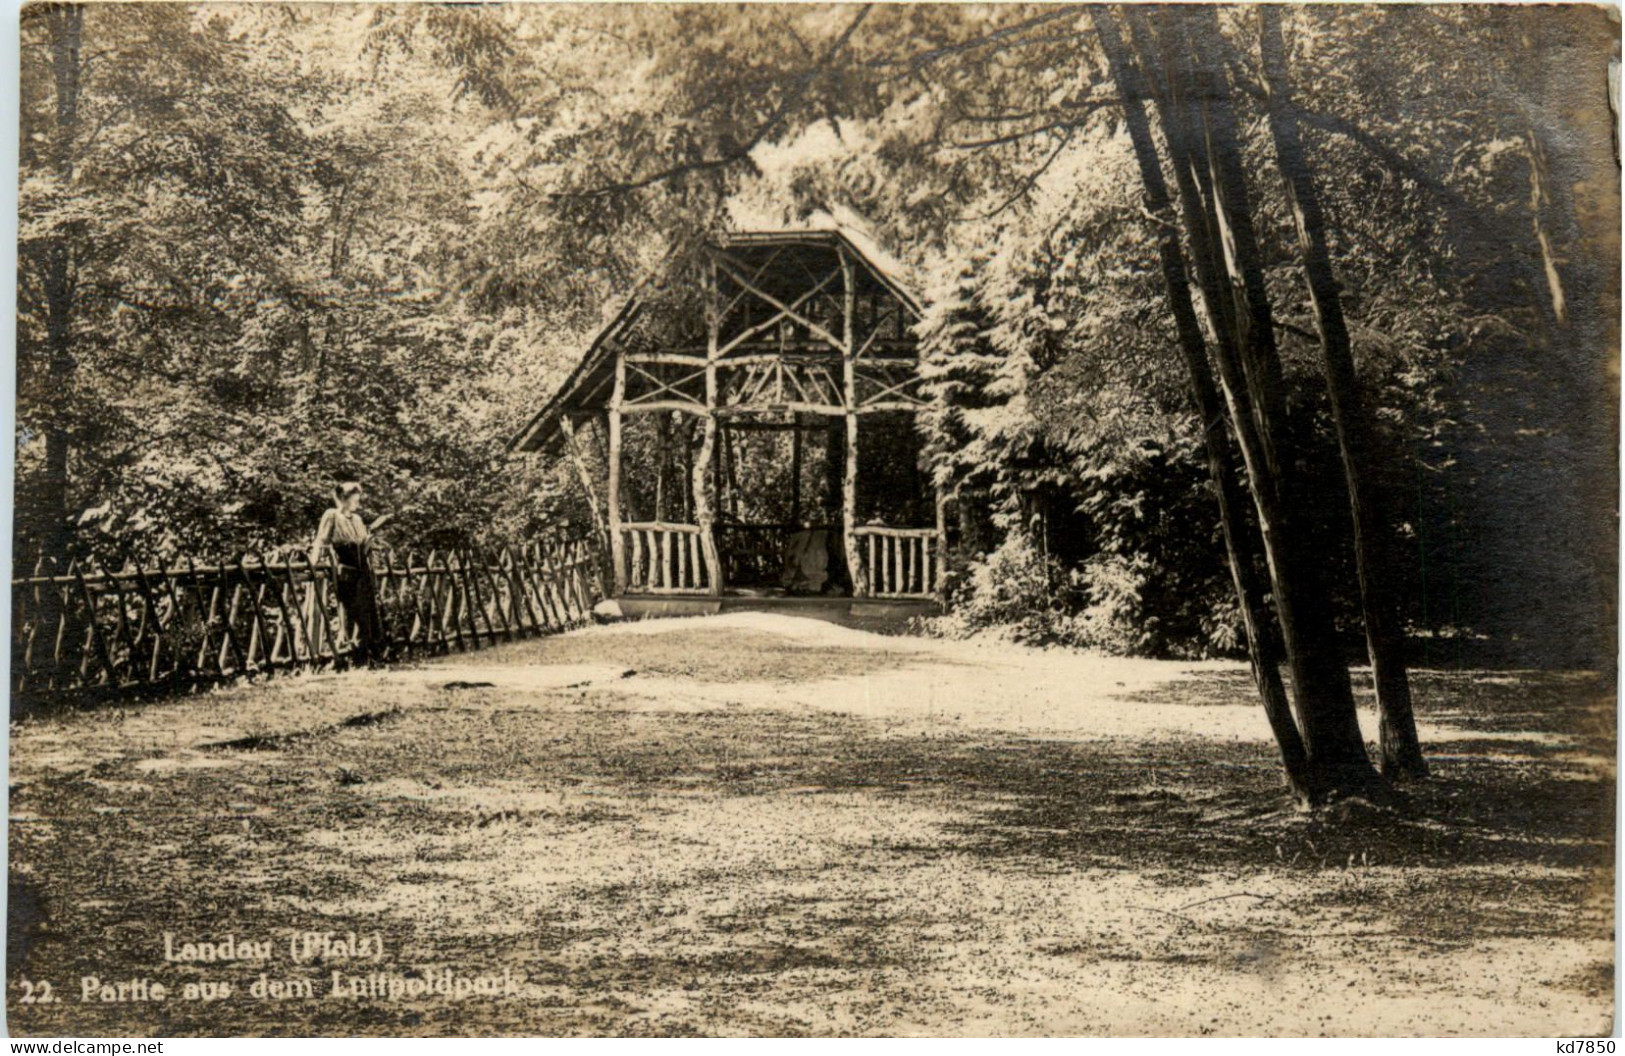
(758,825)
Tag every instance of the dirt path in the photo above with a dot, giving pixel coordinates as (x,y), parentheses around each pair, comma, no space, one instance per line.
(754,824)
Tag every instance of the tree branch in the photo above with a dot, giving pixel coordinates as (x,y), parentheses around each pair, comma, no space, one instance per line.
(1068,123)
(1031,179)
(1453,203)
(926,58)
(733,157)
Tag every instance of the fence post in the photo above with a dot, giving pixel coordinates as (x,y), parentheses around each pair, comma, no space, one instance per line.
(483,567)
(121,624)
(457,598)
(521,590)
(256,597)
(318,590)
(96,640)
(177,614)
(411,582)
(150,618)
(269,582)
(242,658)
(471,571)
(435,630)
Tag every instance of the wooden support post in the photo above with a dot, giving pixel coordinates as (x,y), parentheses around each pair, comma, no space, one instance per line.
(730,460)
(617,547)
(662,442)
(723,494)
(688,469)
(795,471)
(849,475)
(704,474)
(834,444)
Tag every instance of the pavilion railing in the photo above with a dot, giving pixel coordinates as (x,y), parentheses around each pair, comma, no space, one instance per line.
(900,562)
(171,627)
(664,558)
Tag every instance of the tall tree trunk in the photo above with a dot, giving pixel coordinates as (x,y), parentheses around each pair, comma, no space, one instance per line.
(66,22)
(1539,204)
(1201,127)
(1262,648)
(1384,631)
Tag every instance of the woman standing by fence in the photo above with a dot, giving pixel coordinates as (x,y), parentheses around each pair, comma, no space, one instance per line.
(350,539)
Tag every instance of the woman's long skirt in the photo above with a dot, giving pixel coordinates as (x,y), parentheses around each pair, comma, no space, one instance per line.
(357,591)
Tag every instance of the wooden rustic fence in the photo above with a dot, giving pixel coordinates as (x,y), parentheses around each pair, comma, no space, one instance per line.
(178,626)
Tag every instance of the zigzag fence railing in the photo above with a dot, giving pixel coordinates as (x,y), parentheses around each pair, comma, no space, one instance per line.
(87,630)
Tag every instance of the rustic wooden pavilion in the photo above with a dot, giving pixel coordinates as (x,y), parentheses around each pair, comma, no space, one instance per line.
(758,425)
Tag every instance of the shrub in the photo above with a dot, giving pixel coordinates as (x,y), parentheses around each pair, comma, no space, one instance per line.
(1014,591)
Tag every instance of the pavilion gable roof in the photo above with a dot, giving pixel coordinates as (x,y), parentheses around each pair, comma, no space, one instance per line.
(595,369)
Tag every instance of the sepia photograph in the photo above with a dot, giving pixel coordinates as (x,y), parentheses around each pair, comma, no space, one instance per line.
(814,520)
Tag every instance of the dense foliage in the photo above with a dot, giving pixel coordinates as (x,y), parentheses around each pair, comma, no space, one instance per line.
(268,276)
(268,248)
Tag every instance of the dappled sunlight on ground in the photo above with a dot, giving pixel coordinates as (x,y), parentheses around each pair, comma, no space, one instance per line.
(753,824)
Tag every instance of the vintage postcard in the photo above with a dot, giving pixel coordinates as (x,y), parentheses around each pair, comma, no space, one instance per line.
(777,520)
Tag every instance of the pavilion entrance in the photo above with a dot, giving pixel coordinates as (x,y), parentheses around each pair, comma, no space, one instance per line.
(778,520)
(758,425)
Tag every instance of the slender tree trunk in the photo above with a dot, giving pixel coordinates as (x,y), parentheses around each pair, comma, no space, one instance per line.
(1201,129)
(612,489)
(66,22)
(1385,638)
(704,476)
(584,475)
(1262,647)
(861,576)
(1539,205)
(56,532)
